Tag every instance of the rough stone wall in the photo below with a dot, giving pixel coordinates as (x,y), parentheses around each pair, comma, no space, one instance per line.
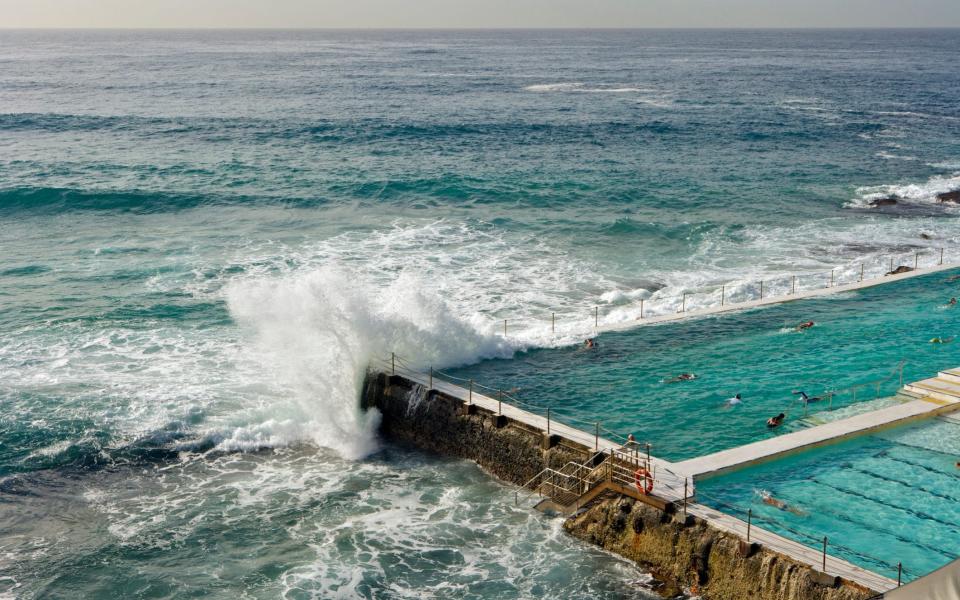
(698,558)
(435,422)
(686,557)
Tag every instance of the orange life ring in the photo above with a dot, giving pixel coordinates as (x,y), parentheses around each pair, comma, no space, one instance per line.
(644,480)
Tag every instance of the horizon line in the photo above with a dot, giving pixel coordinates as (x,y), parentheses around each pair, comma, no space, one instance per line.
(499,28)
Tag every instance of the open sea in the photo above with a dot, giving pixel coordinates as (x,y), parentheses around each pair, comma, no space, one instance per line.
(206,237)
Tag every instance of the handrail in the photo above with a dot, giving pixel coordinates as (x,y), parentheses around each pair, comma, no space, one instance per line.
(751,516)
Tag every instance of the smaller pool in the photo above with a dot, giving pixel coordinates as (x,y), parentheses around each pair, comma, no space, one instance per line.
(880,499)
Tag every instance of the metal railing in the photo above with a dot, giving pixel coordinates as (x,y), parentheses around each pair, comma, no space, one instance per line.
(830,398)
(775,287)
(809,541)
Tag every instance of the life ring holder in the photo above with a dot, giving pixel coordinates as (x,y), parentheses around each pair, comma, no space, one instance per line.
(644,480)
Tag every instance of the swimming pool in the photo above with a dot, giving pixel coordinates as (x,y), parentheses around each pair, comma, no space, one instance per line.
(859,336)
(880,499)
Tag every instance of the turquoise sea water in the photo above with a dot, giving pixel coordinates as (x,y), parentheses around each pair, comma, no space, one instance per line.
(880,500)
(624,383)
(205,237)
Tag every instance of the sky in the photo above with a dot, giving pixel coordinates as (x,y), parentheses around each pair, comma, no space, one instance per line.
(478,13)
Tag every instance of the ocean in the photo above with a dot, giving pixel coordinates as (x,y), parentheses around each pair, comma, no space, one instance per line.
(207,236)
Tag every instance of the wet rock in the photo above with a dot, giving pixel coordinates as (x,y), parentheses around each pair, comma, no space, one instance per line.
(952,197)
(890,201)
(900,269)
(926,236)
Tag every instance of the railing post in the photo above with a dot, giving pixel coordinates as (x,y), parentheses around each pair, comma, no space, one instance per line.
(648,455)
(596,438)
(941,256)
(749,522)
(504,328)
(548,420)
(761,289)
(793,285)
(861,271)
(831,278)
(553,322)
(899,573)
(824,554)
(596,317)
(723,292)
(431,377)
(641,308)
(499,402)
(683,304)
(685,488)
(891,265)
(393,363)
(916,260)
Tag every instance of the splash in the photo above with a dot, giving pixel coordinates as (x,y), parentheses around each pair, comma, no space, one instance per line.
(317,332)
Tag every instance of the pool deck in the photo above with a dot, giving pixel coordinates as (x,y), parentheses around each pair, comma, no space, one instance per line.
(799,295)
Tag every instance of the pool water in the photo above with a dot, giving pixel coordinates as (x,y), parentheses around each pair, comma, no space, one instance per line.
(859,337)
(880,499)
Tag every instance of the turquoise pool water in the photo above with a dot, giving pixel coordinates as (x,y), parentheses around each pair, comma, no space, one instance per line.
(880,499)
(858,337)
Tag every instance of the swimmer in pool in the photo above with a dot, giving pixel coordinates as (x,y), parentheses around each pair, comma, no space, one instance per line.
(590,343)
(681,377)
(776,421)
(735,401)
(805,325)
(940,340)
(769,500)
(807,399)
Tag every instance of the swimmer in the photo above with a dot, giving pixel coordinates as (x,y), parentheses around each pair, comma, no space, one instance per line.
(952,302)
(940,340)
(681,377)
(807,399)
(805,325)
(769,500)
(590,343)
(776,421)
(735,400)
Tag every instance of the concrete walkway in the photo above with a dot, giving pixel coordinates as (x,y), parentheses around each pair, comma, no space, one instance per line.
(800,295)
(764,450)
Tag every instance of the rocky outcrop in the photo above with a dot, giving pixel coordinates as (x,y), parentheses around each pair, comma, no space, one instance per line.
(951,197)
(890,201)
(900,269)
(693,557)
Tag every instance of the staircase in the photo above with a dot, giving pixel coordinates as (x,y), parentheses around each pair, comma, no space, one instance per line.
(942,389)
(568,489)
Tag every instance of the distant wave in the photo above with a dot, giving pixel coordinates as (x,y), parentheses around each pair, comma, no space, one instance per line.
(917,194)
(582,87)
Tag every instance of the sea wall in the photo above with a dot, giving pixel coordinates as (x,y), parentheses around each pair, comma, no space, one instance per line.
(690,555)
(512,451)
(685,554)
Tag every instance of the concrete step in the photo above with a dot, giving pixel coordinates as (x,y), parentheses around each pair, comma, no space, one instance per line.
(936,388)
(951,375)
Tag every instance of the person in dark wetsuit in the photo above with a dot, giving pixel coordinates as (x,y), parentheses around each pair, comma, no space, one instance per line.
(807,399)
(776,421)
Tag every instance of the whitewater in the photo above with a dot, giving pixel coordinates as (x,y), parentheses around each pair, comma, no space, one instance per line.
(207,237)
